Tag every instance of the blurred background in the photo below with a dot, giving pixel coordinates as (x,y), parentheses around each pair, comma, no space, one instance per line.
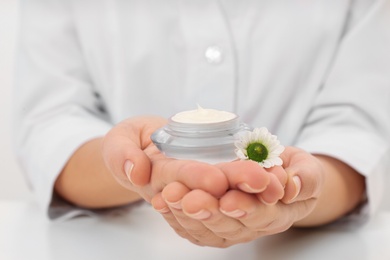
(12,184)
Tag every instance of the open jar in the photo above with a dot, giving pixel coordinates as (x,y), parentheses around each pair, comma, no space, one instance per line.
(205,135)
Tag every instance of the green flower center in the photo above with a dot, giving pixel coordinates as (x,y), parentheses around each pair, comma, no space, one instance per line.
(257,152)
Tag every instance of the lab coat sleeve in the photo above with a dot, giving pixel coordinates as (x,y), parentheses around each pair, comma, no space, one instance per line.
(56,106)
(350,119)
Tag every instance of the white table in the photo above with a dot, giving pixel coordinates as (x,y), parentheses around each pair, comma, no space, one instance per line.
(26,234)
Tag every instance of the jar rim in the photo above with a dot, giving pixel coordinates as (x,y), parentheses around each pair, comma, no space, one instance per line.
(202,127)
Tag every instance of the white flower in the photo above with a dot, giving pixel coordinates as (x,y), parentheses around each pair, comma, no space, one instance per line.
(260,146)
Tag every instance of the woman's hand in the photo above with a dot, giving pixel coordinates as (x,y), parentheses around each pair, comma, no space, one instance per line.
(124,166)
(249,211)
(135,162)
(95,177)
(220,222)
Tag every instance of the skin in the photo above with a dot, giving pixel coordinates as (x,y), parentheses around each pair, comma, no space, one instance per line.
(211,205)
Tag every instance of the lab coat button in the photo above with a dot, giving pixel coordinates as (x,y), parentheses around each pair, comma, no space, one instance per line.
(213,55)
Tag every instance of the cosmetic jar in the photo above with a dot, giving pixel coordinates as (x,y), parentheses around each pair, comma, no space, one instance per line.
(204,135)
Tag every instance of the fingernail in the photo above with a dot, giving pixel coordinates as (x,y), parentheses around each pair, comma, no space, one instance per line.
(245,187)
(266,202)
(128,169)
(234,214)
(298,185)
(201,215)
(175,205)
(163,210)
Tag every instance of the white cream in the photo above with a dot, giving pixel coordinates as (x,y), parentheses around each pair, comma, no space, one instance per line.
(203,116)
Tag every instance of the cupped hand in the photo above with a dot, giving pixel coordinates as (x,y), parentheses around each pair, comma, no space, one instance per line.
(135,162)
(241,214)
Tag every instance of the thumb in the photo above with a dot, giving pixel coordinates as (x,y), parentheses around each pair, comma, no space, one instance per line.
(303,183)
(136,166)
(126,161)
(305,175)
(292,189)
(124,157)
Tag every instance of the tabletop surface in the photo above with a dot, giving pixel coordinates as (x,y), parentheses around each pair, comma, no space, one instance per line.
(25,233)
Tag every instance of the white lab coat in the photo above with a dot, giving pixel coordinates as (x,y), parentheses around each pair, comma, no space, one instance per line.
(315,73)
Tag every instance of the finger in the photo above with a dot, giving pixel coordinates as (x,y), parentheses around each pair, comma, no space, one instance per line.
(280,173)
(162,207)
(258,217)
(193,174)
(222,231)
(287,155)
(159,204)
(204,207)
(247,176)
(273,193)
(305,184)
(305,176)
(240,205)
(123,150)
(126,161)
(292,189)
(174,195)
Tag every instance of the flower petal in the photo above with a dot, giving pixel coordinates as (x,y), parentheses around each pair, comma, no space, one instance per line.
(263,136)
